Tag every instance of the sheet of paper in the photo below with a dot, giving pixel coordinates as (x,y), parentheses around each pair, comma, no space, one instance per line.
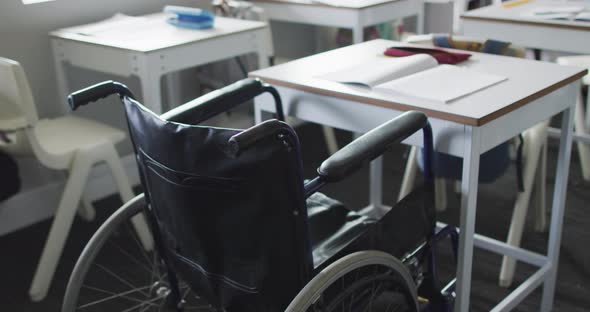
(441,84)
(558,9)
(381,69)
(119,23)
(584,16)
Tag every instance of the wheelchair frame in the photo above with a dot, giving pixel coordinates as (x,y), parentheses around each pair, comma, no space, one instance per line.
(335,168)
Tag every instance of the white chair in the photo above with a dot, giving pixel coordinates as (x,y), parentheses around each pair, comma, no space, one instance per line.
(66,143)
(534,164)
(582,115)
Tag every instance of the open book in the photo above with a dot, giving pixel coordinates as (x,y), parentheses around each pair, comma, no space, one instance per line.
(415,77)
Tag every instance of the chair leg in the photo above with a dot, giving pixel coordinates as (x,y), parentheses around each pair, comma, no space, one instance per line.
(541,190)
(86,210)
(409,174)
(583,148)
(330,137)
(139,222)
(534,140)
(62,223)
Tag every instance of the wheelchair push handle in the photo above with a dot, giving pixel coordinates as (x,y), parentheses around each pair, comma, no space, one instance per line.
(97,92)
(223,100)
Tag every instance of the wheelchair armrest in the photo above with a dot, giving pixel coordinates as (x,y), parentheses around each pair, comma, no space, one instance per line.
(371,145)
(247,138)
(222,100)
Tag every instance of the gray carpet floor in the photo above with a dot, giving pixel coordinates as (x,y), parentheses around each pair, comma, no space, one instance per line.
(20,250)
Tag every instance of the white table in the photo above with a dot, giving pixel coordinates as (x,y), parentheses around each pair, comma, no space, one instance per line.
(512,25)
(355,15)
(149,48)
(466,128)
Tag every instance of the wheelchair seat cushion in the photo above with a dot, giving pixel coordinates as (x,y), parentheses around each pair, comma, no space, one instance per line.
(401,230)
(331,226)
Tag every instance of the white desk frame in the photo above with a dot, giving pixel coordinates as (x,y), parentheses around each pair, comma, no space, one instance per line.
(468,142)
(555,35)
(508,24)
(151,65)
(355,16)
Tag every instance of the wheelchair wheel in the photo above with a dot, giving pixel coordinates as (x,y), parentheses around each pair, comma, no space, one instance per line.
(363,281)
(116,273)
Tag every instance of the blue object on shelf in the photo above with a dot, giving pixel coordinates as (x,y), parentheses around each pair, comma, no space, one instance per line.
(187,17)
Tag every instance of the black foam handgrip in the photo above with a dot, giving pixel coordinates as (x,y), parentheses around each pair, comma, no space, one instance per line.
(97,92)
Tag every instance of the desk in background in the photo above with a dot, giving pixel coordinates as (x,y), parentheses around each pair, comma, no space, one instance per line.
(355,15)
(466,128)
(511,24)
(149,48)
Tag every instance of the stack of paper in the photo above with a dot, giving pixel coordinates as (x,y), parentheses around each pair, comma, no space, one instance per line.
(555,12)
(416,77)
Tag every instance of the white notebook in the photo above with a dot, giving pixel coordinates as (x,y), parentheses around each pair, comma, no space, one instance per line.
(415,77)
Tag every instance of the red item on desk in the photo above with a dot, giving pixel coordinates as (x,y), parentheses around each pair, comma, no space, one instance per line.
(442,56)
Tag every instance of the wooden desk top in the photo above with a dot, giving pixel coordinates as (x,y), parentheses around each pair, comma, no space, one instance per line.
(150,33)
(517,15)
(346,4)
(527,81)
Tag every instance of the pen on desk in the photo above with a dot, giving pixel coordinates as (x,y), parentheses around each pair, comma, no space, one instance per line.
(514,3)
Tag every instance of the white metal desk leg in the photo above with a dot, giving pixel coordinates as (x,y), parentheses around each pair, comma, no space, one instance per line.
(558,208)
(60,74)
(468,211)
(149,78)
(420,18)
(376,184)
(357,34)
(152,93)
(257,112)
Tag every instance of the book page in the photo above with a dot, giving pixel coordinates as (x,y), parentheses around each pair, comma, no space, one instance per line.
(382,69)
(441,84)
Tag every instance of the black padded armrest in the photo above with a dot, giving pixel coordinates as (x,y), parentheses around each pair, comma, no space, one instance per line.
(371,145)
(222,100)
(247,138)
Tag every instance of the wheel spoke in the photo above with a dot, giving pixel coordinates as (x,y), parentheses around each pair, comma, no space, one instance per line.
(112,295)
(131,257)
(151,301)
(117,277)
(137,242)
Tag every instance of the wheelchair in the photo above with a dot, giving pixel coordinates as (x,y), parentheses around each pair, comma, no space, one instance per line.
(237,228)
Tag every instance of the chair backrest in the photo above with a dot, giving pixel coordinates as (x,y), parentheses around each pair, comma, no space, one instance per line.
(233,225)
(18,107)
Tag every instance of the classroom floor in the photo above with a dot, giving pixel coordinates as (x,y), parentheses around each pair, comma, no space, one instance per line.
(20,250)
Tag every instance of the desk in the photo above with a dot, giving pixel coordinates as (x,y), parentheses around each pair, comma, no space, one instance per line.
(510,25)
(466,127)
(148,47)
(355,15)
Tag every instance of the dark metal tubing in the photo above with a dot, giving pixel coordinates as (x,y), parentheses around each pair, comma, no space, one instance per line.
(427,153)
(313,186)
(278,102)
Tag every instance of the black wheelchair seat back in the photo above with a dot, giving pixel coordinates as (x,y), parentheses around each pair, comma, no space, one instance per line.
(232,222)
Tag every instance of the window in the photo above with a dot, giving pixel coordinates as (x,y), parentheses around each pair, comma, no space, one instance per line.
(34,1)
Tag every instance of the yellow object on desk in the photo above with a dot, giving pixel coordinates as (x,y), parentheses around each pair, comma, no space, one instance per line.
(514,3)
